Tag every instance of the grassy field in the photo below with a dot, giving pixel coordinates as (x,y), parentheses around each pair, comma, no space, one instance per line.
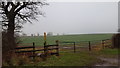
(67,38)
(83,58)
(65,59)
(80,58)
(108,53)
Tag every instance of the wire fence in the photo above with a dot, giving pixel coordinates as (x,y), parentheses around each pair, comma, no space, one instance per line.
(73,46)
(85,45)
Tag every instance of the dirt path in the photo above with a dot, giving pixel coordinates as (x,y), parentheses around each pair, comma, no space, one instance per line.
(107,62)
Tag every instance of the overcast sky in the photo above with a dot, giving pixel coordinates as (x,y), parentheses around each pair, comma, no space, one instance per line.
(76,18)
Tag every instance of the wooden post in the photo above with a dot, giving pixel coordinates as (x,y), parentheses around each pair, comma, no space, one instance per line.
(45,39)
(45,47)
(33,51)
(74,48)
(118,39)
(103,44)
(89,46)
(57,43)
(45,36)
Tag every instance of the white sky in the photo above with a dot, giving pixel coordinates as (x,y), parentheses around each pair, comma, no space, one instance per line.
(82,0)
(76,18)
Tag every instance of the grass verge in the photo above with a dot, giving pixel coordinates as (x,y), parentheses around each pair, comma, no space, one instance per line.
(109,53)
(70,59)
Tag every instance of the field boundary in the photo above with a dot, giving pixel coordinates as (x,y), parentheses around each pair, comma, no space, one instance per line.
(89,44)
(33,51)
(57,47)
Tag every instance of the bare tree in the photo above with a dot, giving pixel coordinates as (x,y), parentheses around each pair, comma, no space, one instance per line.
(15,14)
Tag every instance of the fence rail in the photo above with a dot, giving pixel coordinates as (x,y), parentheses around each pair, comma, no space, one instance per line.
(89,45)
(50,45)
(46,49)
(29,51)
(75,46)
(24,47)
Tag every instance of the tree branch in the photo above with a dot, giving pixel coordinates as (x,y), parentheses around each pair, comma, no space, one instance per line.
(18,3)
(13,7)
(21,16)
(23,6)
(6,8)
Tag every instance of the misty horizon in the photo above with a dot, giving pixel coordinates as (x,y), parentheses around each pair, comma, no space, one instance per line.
(76,18)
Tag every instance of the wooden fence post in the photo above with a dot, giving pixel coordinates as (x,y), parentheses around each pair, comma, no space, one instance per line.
(89,46)
(33,51)
(74,48)
(103,44)
(57,42)
(45,49)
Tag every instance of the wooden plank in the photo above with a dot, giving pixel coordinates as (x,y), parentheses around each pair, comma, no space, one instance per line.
(23,51)
(40,50)
(103,43)
(50,45)
(89,46)
(54,53)
(24,47)
(29,51)
(33,51)
(66,42)
(74,48)
(32,56)
(52,48)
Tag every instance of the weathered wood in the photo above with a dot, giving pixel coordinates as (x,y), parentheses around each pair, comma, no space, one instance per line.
(24,47)
(29,51)
(74,48)
(57,50)
(89,46)
(52,48)
(103,43)
(33,51)
(50,45)
(56,53)
(66,42)
(46,50)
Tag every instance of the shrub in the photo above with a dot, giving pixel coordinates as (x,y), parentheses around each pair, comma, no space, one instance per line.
(23,60)
(17,61)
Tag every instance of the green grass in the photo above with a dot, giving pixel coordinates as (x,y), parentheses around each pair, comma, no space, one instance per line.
(82,58)
(65,59)
(110,51)
(68,38)
(69,59)
(107,53)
